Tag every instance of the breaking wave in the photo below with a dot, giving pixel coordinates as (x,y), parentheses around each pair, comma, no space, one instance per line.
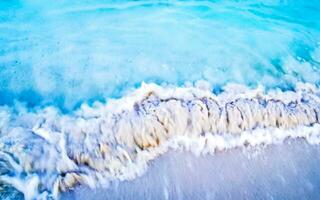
(44,152)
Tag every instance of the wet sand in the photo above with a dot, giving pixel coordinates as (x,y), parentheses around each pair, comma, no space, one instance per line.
(283,171)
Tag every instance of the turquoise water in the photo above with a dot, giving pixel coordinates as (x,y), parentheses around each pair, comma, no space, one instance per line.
(67,52)
(92,92)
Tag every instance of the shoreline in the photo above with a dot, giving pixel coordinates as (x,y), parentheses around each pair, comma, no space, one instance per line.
(282,171)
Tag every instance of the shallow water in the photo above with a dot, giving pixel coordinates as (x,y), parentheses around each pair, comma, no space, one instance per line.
(66,52)
(93,92)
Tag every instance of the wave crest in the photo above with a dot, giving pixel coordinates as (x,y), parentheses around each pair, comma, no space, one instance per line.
(51,152)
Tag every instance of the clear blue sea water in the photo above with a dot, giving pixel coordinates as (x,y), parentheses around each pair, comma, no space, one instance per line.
(66,52)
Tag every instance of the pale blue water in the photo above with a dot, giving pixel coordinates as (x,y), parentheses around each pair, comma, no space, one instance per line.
(66,52)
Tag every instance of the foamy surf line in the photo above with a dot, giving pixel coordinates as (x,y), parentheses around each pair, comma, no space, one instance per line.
(44,152)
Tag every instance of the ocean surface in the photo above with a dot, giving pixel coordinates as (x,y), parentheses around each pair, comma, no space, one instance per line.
(93,92)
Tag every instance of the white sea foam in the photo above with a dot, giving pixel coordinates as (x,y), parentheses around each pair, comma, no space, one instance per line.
(44,152)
